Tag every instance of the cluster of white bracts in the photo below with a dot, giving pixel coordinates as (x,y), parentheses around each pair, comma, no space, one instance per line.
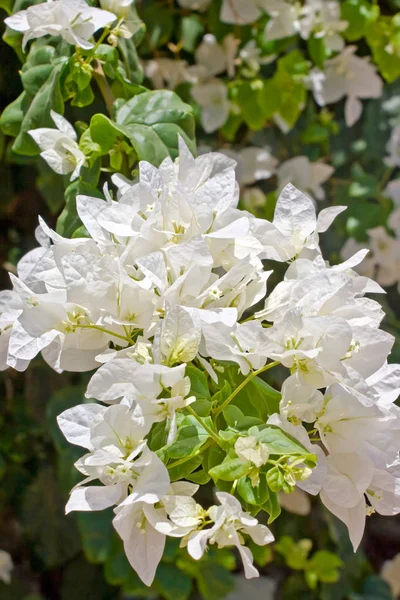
(163,279)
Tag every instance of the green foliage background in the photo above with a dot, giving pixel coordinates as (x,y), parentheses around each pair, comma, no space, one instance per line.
(79,556)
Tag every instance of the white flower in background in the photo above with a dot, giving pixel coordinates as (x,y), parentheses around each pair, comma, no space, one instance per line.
(307,176)
(393,147)
(215,106)
(346,76)
(213,58)
(121,8)
(200,5)
(253,164)
(322,19)
(253,198)
(230,522)
(59,147)
(165,72)
(298,502)
(250,55)
(6,566)
(383,263)
(284,19)
(73,20)
(391,573)
(242,12)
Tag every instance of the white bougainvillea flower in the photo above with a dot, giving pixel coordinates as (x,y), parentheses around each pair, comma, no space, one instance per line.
(177,514)
(295,225)
(393,147)
(348,478)
(230,522)
(284,19)
(345,425)
(242,12)
(166,72)
(322,19)
(121,8)
(346,76)
(253,164)
(391,574)
(298,502)
(143,544)
(249,448)
(215,106)
(216,58)
(59,147)
(307,176)
(73,20)
(6,566)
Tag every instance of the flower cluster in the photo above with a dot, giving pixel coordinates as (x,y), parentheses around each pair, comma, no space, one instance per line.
(163,279)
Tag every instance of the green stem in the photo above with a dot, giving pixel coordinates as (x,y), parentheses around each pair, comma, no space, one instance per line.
(187,458)
(241,386)
(210,432)
(107,331)
(103,85)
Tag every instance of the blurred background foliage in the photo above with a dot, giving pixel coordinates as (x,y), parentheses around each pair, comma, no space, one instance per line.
(80,556)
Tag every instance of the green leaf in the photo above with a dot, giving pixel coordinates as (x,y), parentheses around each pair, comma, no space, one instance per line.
(96,532)
(323,566)
(257,495)
(152,121)
(191,436)
(199,388)
(278,441)
(376,588)
(381,35)
(211,573)
(160,25)
(117,568)
(200,477)
(317,50)
(172,583)
(53,535)
(295,553)
(264,398)
(272,507)
(192,29)
(12,116)
(248,96)
(38,113)
(359,14)
(231,468)
(185,469)
(130,59)
(275,479)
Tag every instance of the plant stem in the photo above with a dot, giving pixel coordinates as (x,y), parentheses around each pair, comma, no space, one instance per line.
(103,85)
(98,328)
(187,458)
(210,432)
(241,386)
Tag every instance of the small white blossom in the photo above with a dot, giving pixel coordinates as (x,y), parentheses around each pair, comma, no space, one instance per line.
(230,523)
(346,76)
(6,566)
(307,176)
(59,147)
(215,106)
(73,20)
